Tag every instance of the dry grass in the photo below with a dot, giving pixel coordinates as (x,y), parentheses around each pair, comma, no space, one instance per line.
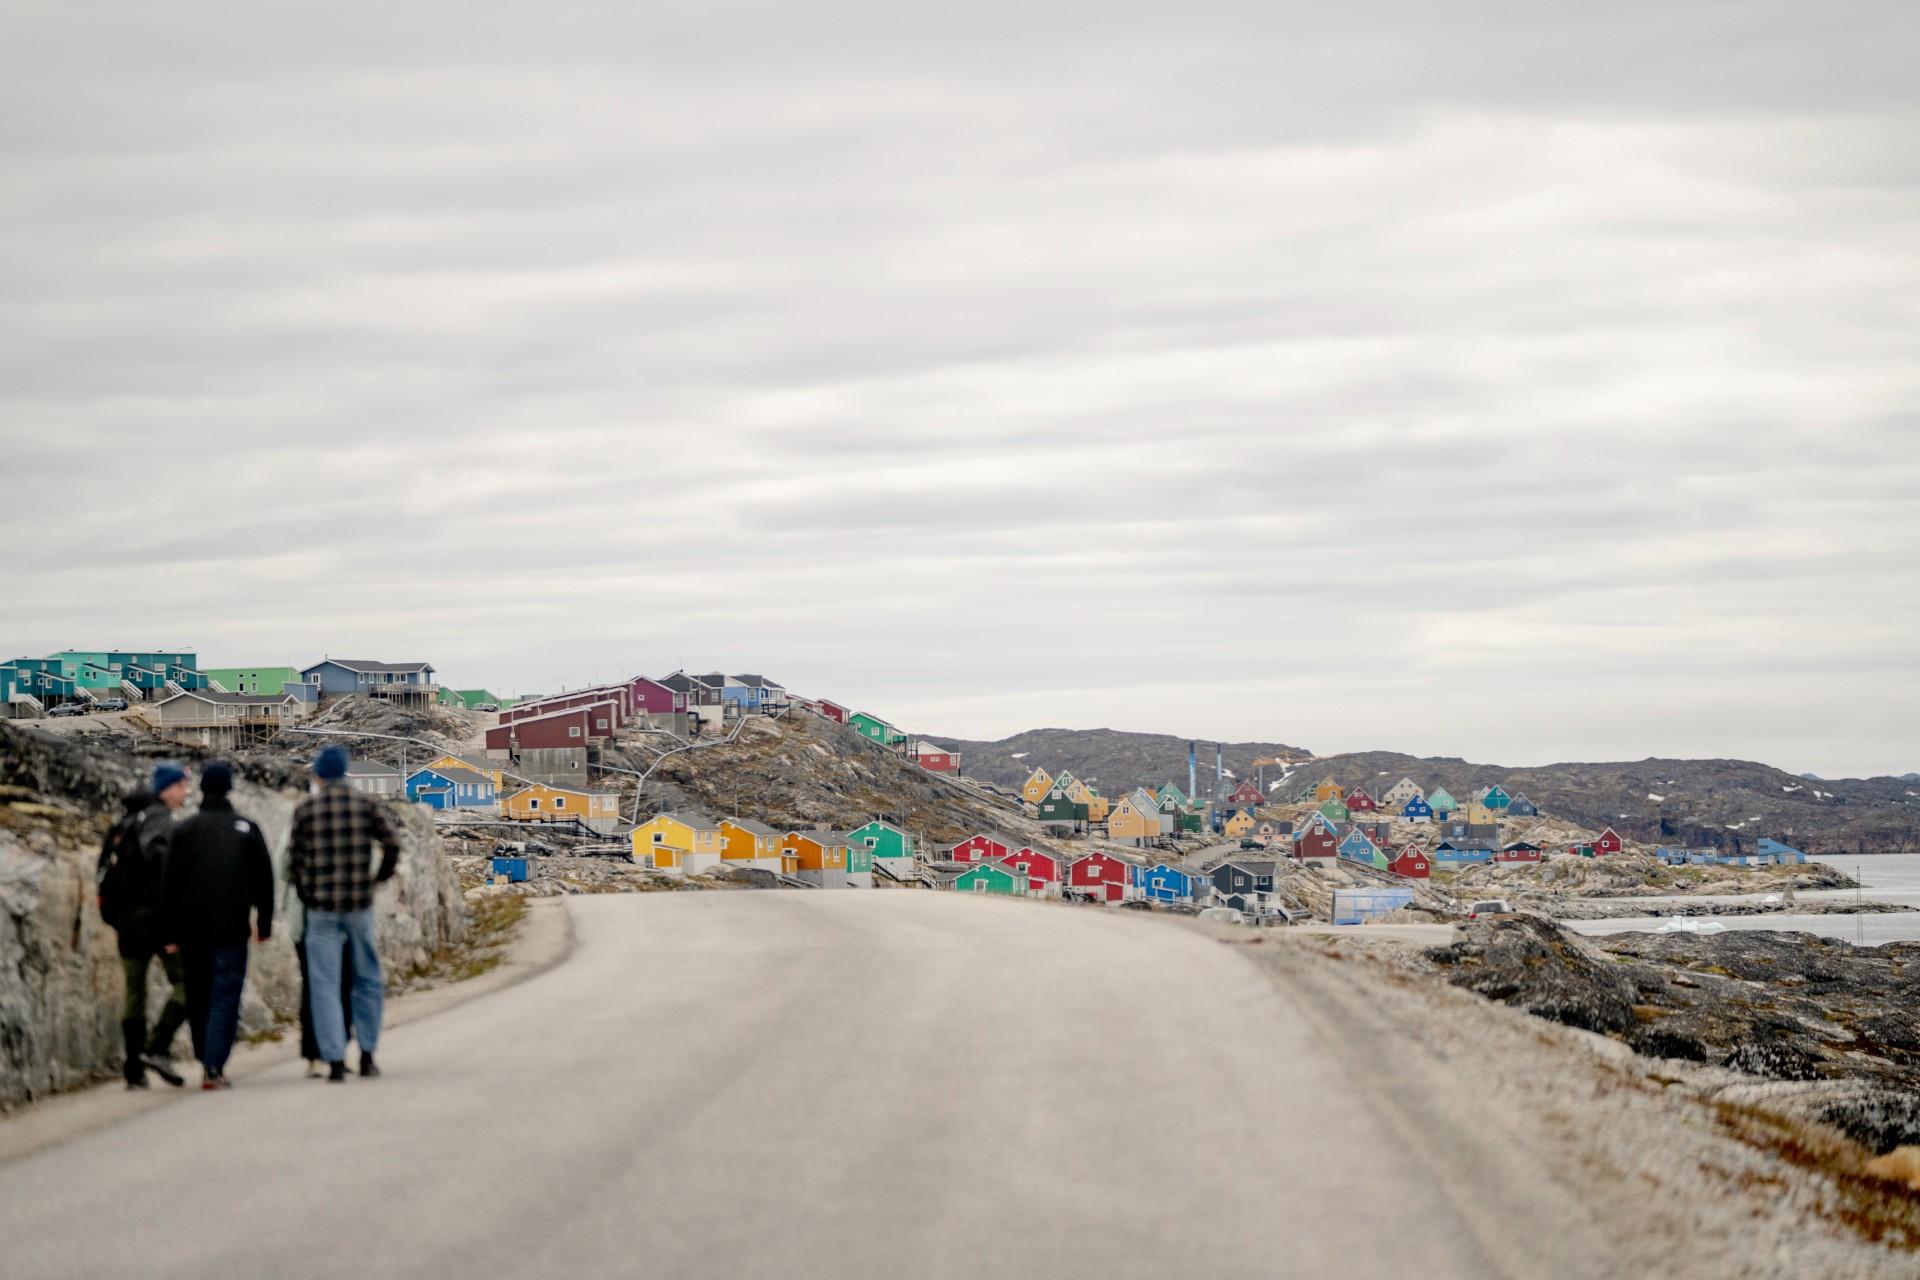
(493,920)
(1861,1198)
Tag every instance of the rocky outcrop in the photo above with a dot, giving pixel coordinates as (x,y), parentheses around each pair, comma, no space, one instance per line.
(1533,964)
(60,983)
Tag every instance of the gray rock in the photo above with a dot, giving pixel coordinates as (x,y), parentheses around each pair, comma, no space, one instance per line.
(1533,964)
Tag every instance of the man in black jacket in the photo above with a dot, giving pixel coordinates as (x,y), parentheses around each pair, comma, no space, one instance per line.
(219,892)
(141,926)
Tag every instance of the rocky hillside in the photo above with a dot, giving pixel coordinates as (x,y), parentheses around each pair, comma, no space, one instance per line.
(60,980)
(1112,759)
(1694,802)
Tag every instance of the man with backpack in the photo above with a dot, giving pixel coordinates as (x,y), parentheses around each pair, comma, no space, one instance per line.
(329,859)
(219,882)
(131,880)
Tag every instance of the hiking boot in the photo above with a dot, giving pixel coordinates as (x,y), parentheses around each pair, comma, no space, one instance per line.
(336,1072)
(138,1082)
(161,1065)
(368,1068)
(215,1080)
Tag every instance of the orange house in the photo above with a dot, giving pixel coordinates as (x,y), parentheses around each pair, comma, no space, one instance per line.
(744,840)
(539,802)
(1328,790)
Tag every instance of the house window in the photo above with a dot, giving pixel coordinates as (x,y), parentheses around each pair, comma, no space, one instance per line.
(573,731)
(533,805)
(559,802)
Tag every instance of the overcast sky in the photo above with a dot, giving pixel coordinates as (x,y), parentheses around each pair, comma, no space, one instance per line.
(1520,381)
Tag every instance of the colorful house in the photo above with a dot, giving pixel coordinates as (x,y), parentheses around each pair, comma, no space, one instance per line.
(1059,809)
(1247,793)
(831,710)
(1356,847)
(982,848)
(1327,789)
(1519,851)
(656,697)
(1334,811)
(1400,792)
(750,843)
(1441,803)
(1411,863)
(1358,801)
(1607,842)
(1479,815)
(1496,798)
(1416,809)
(1099,808)
(340,677)
(1165,883)
(542,803)
(1452,857)
(1130,820)
(1170,792)
(821,857)
(474,763)
(1035,788)
(1041,869)
(1784,854)
(670,841)
(451,789)
(1239,825)
(934,758)
(1271,831)
(1244,886)
(1100,874)
(884,841)
(1521,807)
(1316,839)
(874,729)
(251,679)
(991,877)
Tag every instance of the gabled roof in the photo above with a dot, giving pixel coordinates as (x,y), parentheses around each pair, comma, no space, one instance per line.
(755,828)
(370,668)
(231,699)
(695,821)
(372,769)
(472,762)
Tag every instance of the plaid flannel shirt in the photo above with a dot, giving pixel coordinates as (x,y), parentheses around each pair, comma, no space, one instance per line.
(329,855)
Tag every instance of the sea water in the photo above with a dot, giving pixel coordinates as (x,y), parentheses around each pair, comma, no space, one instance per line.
(1887,877)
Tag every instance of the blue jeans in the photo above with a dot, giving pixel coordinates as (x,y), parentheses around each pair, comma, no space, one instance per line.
(326,932)
(215,976)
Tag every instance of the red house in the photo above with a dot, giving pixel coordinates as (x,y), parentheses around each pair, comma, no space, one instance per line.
(561,729)
(619,696)
(1606,842)
(1360,802)
(1042,869)
(832,711)
(935,759)
(1247,794)
(1519,851)
(1412,863)
(981,847)
(1316,840)
(652,698)
(1100,874)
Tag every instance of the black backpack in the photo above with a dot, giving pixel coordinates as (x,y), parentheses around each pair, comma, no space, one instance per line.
(116,879)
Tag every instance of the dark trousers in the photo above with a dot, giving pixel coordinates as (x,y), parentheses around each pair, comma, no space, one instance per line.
(309,1041)
(133,1010)
(215,975)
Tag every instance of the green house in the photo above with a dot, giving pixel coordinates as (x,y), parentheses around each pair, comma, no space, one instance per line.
(1193,822)
(874,729)
(1060,807)
(985,877)
(471,698)
(252,679)
(1174,794)
(1334,811)
(881,840)
(1441,802)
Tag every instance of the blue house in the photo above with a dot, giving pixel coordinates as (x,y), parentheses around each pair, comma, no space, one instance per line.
(453,789)
(1417,810)
(762,694)
(1166,884)
(1356,847)
(1785,854)
(337,677)
(1452,857)
(1496,799)
(1521,807)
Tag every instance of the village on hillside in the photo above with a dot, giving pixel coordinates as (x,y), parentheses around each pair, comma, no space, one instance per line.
(523,773)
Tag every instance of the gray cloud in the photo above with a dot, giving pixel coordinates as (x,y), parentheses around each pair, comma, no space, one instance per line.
(1495,379)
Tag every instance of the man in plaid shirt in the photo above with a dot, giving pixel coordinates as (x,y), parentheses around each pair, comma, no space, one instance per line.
(330,861)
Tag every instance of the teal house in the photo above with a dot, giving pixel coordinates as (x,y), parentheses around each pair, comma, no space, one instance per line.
(991,877)
(874,729)
(881,840)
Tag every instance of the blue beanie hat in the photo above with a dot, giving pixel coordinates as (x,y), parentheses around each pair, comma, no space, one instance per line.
(331,763)
(166,773)
(216,779)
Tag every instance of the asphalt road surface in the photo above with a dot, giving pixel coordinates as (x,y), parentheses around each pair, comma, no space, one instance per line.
(792,1084)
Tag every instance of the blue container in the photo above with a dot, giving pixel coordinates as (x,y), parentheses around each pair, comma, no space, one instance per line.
(514,869)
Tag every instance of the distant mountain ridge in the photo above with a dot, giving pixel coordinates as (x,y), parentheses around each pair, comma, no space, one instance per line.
(1691,802)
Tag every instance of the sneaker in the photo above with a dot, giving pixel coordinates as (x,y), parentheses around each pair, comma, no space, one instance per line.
(368,1068)
(336,1072)
(138,1082)
(313,1069)
(161,1065)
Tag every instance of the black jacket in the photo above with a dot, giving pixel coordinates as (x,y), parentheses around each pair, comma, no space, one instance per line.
(218,873)
(143,930)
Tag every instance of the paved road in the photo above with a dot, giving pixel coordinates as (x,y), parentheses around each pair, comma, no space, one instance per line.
(793,1085)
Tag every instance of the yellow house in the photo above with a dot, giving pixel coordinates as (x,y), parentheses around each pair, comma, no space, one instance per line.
(1036,787)
(670,841)
(474,763)
(1129,821)
(1239,825)
(1098,806)
(1328,790)
(539,802)
(1079,792)
(1480,816)
(744,840)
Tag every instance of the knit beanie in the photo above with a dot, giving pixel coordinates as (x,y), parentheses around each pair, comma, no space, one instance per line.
(216,780)
(166,773)
(331,763)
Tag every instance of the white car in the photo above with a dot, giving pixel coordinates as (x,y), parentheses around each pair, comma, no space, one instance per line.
(1223,915)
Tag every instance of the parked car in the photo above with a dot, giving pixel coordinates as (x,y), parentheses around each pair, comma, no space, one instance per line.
(1223,915)
(112,704)
(1249,843)
(1489,907)
(69,709)
(486,706)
